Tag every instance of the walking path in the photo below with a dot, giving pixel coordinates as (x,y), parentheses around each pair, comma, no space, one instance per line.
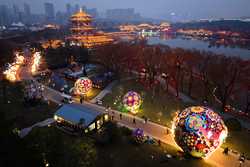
(154,130)
(26,131)
(104,92)
(108,90)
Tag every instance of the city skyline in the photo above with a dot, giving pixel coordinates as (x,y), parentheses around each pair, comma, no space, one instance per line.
(160,9)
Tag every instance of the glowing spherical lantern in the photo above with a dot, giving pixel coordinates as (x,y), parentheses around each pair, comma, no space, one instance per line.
(199,131)
(138,135)
(132,101)
(82,86)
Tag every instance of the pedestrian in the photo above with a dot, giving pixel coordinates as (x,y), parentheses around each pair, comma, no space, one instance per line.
(242,159)
(226,150)
(120,116)
(112,117)
(134,121)
(167,131)
(81,100)
(159,142)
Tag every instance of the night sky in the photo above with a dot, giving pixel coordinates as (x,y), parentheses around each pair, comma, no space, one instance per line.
(181,9)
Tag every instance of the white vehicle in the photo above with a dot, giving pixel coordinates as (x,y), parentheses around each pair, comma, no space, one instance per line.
(67,99)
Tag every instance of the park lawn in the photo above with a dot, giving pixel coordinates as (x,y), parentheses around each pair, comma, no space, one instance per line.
(126,154)
(23,115)
(161,108)
(123,153)
(238,141)
(93,93)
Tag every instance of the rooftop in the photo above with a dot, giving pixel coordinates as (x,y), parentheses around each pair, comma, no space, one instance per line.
(75,112)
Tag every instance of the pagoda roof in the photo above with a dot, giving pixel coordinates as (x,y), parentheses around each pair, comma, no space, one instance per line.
(81,13)
(83,28)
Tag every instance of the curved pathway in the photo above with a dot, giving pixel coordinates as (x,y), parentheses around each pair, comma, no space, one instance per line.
(154,130)
(26,131)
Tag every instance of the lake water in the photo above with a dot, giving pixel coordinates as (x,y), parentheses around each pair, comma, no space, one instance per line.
(200,45)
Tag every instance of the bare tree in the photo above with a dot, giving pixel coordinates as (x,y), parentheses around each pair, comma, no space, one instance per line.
(224,73)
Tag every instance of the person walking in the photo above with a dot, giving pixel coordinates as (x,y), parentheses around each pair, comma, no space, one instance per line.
(226,150)
(120,116)
(134,121)
(242,159)
(159,142)
(167,131)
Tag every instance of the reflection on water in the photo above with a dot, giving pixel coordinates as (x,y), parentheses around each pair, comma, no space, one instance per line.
(212,46)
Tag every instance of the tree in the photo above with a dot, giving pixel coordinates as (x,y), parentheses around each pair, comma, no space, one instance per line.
(4,89)
(60,150)
(224,73)
(203,70)
(57,58)
(192,60)
(14,151)
(176,64)
(6,51)
(112,57)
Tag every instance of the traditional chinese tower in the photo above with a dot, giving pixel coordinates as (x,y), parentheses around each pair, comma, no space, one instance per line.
(83,34)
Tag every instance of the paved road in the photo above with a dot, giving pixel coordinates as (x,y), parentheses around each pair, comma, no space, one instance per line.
(154,130)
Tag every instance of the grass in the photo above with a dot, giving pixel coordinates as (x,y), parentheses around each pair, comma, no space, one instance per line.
(238,141)
(160,108)
(123,153)
(93,93)
(22,115)
(127,154)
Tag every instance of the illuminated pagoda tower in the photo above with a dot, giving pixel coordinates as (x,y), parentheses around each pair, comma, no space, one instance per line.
(83,34)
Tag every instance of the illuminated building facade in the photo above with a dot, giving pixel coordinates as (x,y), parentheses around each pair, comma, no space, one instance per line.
(83,34)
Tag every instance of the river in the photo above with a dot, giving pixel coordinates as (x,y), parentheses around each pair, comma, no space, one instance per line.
(201,45)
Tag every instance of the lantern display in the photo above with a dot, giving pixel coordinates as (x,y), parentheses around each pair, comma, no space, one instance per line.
(138,135)
(82,86)
(199,131)
(132,101)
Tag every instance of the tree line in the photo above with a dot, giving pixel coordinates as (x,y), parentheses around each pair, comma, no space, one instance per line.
(215,79)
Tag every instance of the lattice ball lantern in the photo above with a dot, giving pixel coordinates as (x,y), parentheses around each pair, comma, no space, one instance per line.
(199,131)
(82,86)
(132,101)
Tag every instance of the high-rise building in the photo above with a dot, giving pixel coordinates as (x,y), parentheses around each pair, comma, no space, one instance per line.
(26,13)
(122,14)
(17,15)
(68,9)
(61,18)
(76,8)
(84,8)
(26,9)
(49,12)
(4,15)
(93,12)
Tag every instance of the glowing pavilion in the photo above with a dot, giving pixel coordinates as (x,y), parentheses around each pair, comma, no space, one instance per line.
(83,34)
